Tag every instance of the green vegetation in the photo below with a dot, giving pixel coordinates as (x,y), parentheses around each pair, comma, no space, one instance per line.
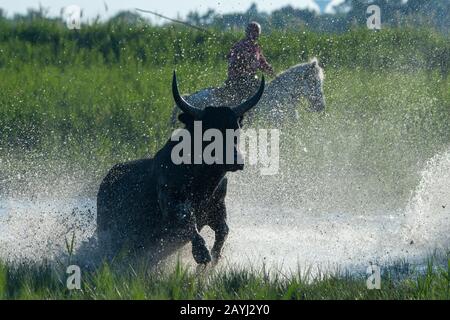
(44,282)
(102,95)
(349,13)
(104,92)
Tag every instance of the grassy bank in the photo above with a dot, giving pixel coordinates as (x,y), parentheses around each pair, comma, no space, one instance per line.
(43,282)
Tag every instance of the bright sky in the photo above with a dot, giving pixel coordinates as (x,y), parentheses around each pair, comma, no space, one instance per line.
(172,8)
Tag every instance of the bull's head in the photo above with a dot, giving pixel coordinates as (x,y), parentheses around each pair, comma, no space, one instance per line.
(222,119)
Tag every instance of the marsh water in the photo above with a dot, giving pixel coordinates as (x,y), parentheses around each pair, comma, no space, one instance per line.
(328,219)
(354,186)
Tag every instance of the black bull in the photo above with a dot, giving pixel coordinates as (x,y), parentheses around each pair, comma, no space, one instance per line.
(156,206)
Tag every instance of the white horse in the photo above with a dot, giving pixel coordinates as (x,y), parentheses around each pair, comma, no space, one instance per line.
(280,97)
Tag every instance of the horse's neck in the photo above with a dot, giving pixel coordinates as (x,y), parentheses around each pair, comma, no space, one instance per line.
(285,89)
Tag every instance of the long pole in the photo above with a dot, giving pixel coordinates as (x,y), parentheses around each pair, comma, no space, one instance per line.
(173,20)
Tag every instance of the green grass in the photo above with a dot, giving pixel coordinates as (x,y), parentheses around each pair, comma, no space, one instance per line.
(178,282)
(117,110)
(102,95)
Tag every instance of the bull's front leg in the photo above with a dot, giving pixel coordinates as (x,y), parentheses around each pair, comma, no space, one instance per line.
(181,216)
(220,228)
(217,220)
(199,250)
(188,224)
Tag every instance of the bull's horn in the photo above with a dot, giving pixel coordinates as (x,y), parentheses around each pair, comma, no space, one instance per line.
(183,104)
(247,105)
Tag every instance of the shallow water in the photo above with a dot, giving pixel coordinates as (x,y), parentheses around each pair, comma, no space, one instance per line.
(31,231)
(281,237)
(334,240)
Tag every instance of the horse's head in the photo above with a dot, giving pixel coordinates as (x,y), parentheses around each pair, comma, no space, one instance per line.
(313,85)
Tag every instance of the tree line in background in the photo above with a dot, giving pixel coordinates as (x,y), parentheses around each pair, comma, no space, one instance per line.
(349,14)
(127,38)
(433,14)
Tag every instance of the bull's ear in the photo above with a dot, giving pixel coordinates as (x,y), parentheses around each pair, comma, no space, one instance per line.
(186,118)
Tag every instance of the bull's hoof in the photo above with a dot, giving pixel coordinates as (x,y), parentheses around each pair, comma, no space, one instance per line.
(215,261)
(215,256)
(201,269)
(201,254)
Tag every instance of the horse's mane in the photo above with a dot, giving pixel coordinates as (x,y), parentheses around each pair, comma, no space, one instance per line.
(301,66)
(205,96)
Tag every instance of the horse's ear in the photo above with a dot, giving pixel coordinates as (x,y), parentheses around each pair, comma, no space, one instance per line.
(314,62)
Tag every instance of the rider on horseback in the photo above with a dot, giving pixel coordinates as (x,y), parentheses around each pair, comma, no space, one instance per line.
(244,61)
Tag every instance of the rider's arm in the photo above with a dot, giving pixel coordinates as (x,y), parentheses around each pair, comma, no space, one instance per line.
(264,65)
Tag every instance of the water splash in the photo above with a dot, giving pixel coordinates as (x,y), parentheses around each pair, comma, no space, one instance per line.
(289,236)
(37,230)
(284,234)
(428,212)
